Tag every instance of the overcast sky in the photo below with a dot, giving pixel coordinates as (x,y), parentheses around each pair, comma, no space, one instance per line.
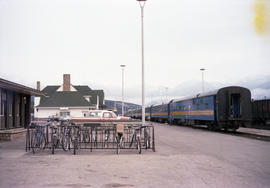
(89,39)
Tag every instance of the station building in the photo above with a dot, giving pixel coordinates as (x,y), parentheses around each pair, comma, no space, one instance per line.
(15,107)
(67,100)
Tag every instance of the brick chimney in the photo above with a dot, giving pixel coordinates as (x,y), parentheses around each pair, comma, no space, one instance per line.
(38,85)
(66,82)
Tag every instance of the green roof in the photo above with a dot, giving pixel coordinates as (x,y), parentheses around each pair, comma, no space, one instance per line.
(56,98)
(83,89)
(50,89)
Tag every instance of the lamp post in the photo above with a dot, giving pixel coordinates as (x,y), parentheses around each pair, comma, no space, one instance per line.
(166,93)
(202,69)
(123,67)
(142,4)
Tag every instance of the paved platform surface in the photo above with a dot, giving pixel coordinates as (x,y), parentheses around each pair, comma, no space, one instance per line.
(261,132)
(185,157)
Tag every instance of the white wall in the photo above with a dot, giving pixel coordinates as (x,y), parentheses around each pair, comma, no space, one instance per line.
(36,101)
(46,112)
(78,112)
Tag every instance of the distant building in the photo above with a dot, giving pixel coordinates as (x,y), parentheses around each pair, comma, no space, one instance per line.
(15,105)
(67,100)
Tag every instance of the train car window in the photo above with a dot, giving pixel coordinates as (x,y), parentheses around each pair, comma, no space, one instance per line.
(193,101)
(201,100)
(206,105)
(198,106)
(184,107)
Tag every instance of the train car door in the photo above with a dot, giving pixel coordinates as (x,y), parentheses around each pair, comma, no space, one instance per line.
(215,106)
(235,105)
(169,112)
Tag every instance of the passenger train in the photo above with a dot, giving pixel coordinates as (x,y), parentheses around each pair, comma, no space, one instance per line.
(225,108)
(261,113)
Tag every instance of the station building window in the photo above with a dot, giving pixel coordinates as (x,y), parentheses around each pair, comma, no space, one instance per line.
(64,114)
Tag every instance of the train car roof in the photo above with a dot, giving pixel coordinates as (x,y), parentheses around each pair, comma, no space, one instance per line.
(160,104)
(210,93)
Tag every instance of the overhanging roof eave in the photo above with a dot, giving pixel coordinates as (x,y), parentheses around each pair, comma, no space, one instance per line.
(5,84)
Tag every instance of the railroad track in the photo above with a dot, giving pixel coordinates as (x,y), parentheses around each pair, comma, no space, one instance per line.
(251,135)
(237,133)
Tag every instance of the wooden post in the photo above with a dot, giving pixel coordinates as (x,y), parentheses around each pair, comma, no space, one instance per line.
(27,111)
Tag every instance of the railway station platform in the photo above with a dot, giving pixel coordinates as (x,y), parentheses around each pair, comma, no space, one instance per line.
(260,132)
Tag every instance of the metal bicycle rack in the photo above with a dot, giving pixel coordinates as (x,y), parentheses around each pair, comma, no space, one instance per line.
(92,136)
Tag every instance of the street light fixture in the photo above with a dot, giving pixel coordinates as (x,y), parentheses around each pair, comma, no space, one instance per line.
(142,4)
(123,67)
(202,69)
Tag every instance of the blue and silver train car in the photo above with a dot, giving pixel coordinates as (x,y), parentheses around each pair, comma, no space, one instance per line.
(225,108)
(191,110)
(135,114)
(159,113)
(138,114)
(148,113)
